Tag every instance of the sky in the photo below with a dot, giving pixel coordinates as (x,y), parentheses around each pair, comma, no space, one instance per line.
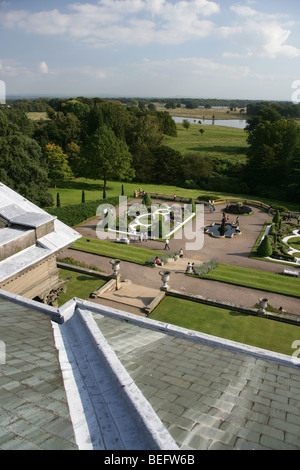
(233,49)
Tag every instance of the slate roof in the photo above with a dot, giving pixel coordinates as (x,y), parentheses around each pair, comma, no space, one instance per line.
(34,412)
(183,388)
(15,209)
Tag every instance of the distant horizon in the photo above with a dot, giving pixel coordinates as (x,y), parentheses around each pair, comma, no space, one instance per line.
(153,98)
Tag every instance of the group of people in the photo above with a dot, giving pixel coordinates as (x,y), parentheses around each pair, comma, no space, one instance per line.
(138,193)
(158,261)
(226,218)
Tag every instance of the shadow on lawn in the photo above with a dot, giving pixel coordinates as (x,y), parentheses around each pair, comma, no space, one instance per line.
(238,314)
(221,149)
(80,185)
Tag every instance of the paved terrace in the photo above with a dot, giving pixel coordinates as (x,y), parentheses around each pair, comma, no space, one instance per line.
(185,389)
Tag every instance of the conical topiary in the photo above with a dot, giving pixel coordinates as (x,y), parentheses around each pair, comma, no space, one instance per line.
(265,248)
(276,218)
(192,206)
(147,201)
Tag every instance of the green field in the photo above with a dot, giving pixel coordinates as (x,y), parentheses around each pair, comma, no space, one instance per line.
(71,191)
(226,143)
(115,250)
(248,329)
(255,279)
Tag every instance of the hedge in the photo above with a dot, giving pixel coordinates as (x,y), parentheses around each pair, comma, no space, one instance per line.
(74,214)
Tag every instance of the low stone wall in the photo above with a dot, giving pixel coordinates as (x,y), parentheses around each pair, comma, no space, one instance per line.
(88,272)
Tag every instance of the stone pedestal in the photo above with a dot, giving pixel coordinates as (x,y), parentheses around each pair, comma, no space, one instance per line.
(115,263)
(263,303)
(165,276)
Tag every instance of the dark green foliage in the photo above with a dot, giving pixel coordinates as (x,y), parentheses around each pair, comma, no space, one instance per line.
(74,214)
(22,166)
(58,200)
(83,197)
(162,229)
(147,201)
(276,218)
(265,248)
(193,206)
(238,209)
(273,155)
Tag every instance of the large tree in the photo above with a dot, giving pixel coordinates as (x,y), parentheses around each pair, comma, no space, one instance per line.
(22,166)
(273,152)
(107,157)
(59,168)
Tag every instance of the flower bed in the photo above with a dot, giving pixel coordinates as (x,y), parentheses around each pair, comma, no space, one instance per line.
(238,209)
(281,249)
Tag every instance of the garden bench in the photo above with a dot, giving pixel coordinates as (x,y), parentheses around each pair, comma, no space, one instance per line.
(289,272)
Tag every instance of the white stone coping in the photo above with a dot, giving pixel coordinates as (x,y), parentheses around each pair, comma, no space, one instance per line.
(213,341)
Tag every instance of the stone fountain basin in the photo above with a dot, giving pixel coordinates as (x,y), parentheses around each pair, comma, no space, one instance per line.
(213,231)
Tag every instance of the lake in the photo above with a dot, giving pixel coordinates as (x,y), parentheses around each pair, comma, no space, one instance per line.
(238,123)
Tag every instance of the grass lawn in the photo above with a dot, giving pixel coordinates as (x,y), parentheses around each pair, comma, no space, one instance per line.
(260,332)
(115,250)
(71,191)
(256,279)
(80,285)
(216,141)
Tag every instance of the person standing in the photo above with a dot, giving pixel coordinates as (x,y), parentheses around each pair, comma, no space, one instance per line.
(167,244)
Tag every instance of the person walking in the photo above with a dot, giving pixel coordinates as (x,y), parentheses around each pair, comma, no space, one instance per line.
(167,244)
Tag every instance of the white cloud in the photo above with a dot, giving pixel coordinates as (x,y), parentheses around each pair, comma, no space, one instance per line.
(261,34)
(10,68)
(120,21)
(43,67)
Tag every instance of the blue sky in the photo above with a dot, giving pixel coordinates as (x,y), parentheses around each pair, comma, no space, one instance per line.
(154,48)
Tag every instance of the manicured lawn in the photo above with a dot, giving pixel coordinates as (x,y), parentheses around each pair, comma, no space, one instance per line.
(259,332)
(115,250)
(226,143)
(255,279)
(79,286)
(71,191)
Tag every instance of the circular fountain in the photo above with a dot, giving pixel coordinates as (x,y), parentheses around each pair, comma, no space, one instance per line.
(229,230)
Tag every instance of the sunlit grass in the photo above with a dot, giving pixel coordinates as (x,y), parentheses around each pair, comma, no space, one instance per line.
(225,323)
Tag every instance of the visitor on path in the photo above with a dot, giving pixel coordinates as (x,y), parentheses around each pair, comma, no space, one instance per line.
(167,244)
(237,222)
(180,253)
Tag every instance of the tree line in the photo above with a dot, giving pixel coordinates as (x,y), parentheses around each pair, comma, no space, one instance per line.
(110,140)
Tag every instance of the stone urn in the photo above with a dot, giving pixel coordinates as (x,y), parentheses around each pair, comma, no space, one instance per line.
(115,263)
(263,303)
(165,276)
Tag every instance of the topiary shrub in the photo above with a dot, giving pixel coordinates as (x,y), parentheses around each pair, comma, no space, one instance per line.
(193,206)
(276,218)
(265,248)
(147,201)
